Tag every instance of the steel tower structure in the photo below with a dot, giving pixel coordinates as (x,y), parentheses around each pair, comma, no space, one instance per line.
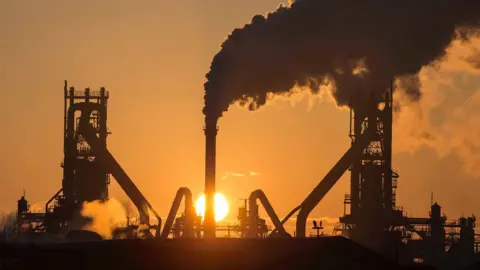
(84,179)
(372,212)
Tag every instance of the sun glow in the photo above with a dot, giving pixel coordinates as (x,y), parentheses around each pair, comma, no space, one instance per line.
(221,206)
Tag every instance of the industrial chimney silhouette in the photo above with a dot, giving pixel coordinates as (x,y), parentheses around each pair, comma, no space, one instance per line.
(211,130)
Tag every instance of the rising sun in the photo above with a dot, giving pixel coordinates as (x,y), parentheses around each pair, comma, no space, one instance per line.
(221,206)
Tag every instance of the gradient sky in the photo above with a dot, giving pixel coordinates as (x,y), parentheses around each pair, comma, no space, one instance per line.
(152,56)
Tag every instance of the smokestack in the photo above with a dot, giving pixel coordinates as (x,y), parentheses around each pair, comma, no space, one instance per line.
(211,130)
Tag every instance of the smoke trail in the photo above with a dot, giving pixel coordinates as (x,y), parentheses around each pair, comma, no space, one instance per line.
(38,207)
(130,214)
(356,47)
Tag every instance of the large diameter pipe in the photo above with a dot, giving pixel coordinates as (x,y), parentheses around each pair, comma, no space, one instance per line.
(189,213)
(113,167)
(253,215)
(210,154)
(331,179)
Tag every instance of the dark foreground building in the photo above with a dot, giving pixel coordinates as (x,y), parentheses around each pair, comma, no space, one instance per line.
(322,253)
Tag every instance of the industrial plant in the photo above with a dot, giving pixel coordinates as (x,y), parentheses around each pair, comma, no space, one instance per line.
(371,219)
(364,55)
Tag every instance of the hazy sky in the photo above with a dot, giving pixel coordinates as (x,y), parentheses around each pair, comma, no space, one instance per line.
(152,56)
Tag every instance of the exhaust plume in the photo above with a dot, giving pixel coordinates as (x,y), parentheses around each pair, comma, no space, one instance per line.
(356,47)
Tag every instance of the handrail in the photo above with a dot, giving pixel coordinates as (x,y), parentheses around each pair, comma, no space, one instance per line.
(93,94)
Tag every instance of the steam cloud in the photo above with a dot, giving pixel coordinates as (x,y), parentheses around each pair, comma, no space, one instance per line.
(356,47)
(447,117)
(101,217)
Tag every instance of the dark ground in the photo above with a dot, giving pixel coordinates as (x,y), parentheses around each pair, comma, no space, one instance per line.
(323,253)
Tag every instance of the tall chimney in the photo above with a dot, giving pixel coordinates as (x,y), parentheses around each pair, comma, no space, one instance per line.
(210,136)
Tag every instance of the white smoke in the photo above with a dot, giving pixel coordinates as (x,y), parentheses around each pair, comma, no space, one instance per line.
(447,117)
(104,216)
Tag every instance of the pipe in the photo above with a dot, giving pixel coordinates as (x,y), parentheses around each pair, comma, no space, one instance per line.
(113,167)
(253,215)
(211,130)
(189,213)
(388,137)
(299,207)
(119,174)
(287,217)
(331,179)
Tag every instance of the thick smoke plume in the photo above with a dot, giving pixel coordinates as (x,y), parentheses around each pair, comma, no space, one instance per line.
(357,47)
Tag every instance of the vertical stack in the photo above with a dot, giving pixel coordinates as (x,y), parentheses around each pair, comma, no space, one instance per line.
(211,130)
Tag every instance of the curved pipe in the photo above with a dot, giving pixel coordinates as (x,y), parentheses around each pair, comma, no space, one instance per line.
(189,213)
(287,217)
(253,215)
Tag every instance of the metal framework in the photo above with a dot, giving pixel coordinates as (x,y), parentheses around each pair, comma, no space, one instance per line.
(371,216)
(370,207)
(87,167)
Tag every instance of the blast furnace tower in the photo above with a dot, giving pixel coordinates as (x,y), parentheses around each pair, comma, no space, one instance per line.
(371,203)
(84,179)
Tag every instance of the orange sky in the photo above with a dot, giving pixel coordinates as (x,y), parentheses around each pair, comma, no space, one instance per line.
(152,56)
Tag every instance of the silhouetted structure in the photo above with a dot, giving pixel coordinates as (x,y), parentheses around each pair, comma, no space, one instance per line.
(372,180)
(84,180)
(371,216)
(373,219)
(87,167)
